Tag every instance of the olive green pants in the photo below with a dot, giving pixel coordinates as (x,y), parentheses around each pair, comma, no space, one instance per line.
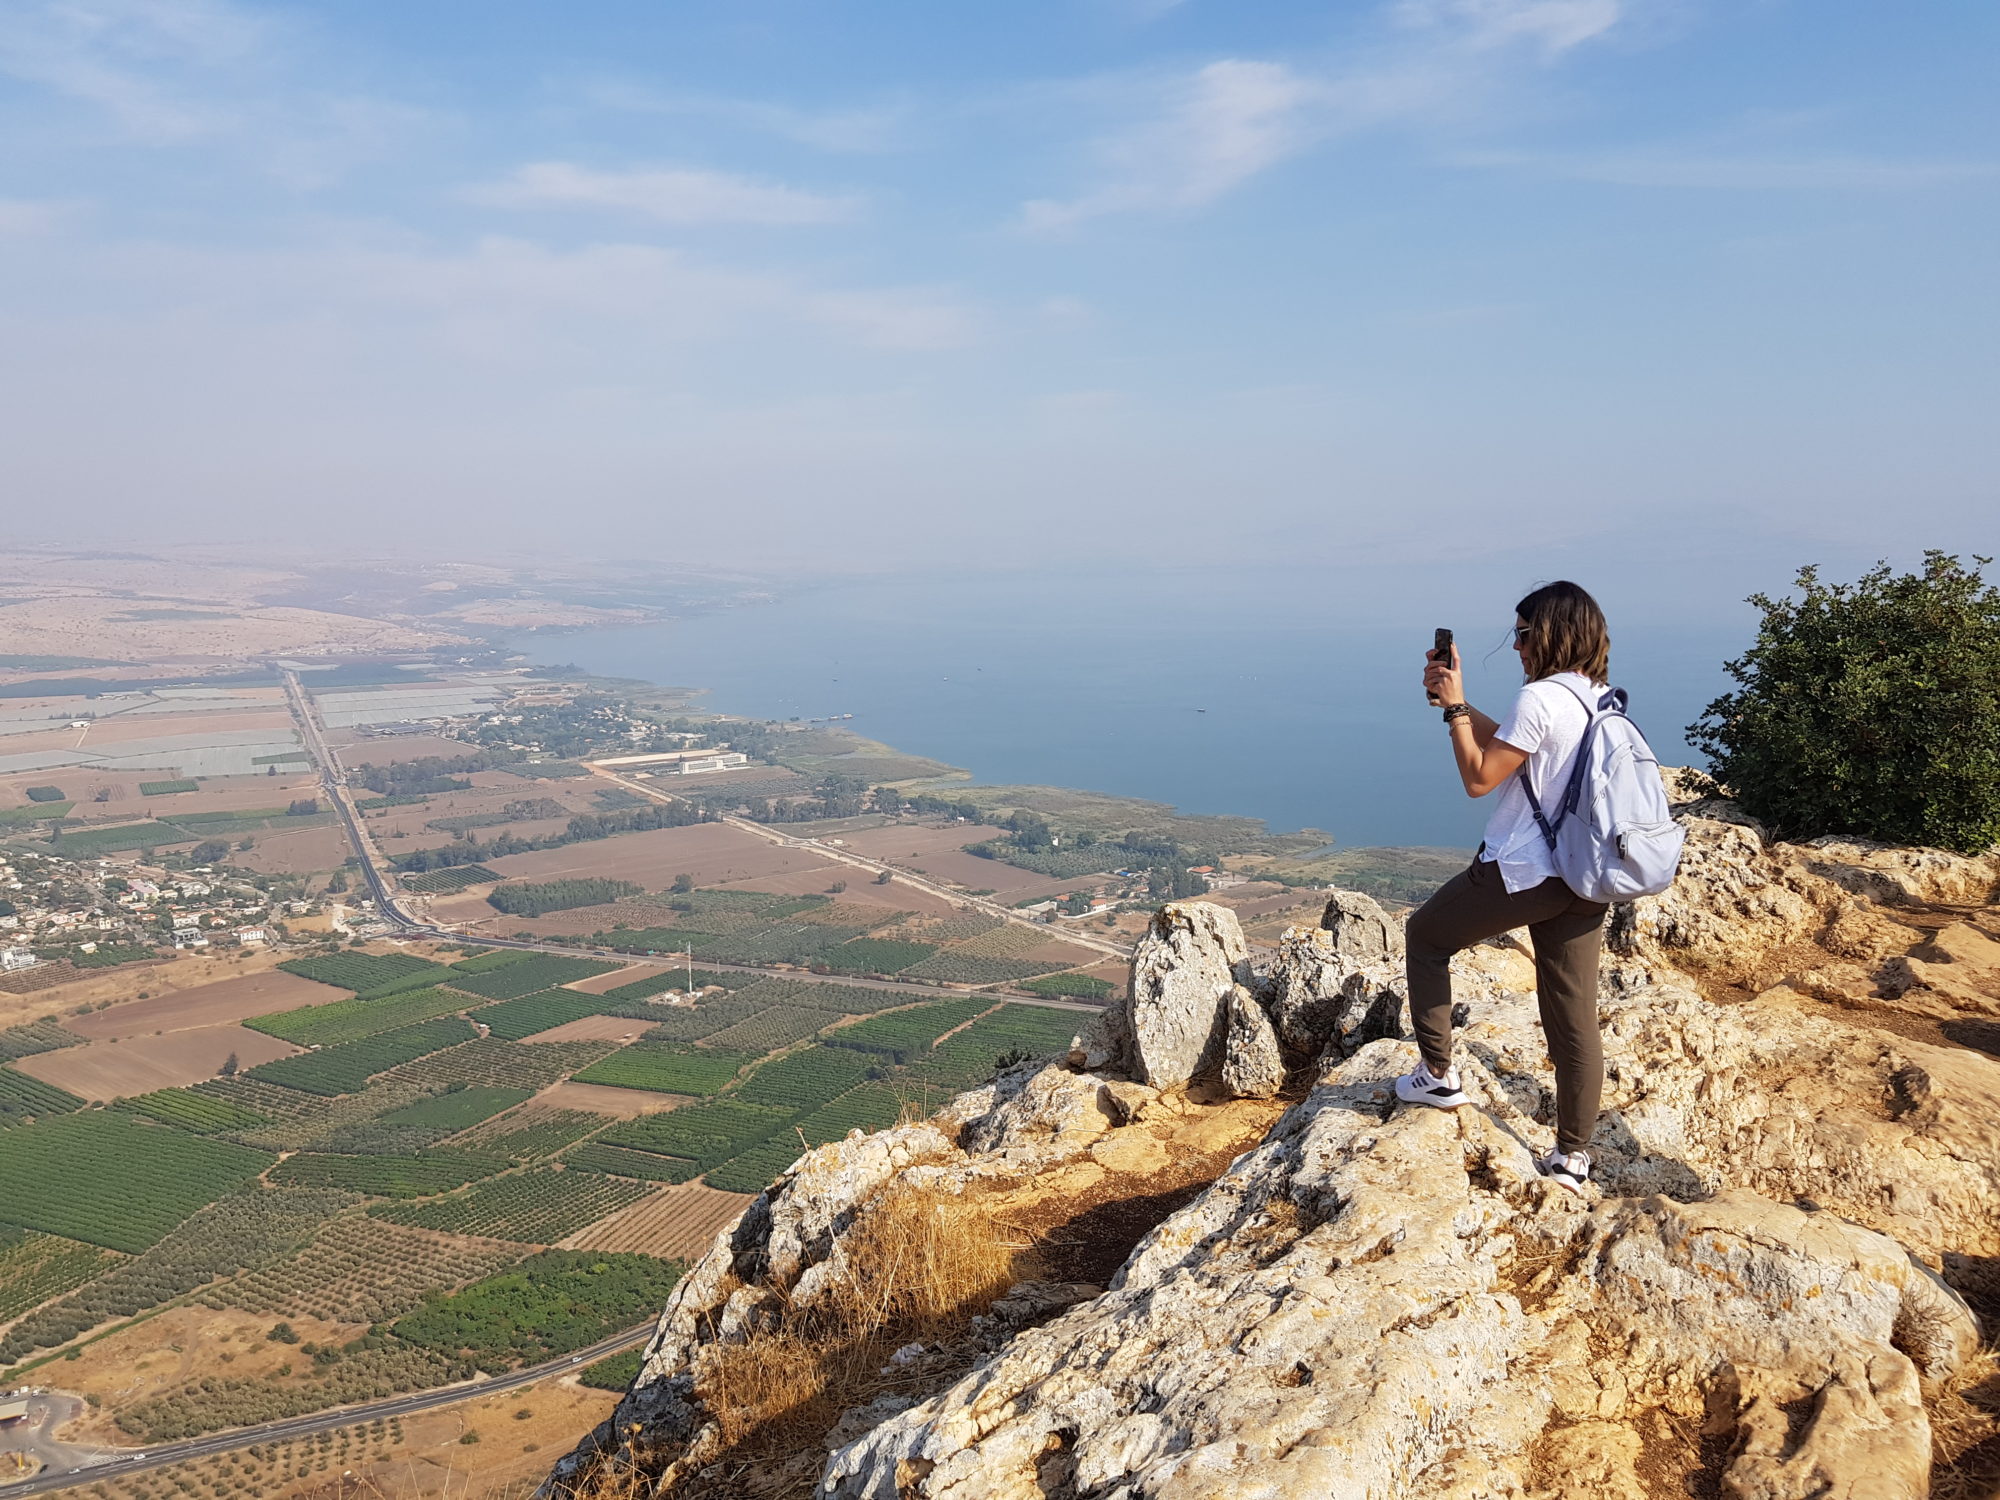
(1568,933)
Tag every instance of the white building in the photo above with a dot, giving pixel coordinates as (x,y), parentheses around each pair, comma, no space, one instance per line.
(18,958)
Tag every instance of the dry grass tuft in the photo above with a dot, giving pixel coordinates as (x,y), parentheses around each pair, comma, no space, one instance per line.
(1964,1410)
(920,1264)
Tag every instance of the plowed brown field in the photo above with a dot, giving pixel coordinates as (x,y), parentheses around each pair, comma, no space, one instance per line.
(104,1070)
(215,1004)
(676,1222)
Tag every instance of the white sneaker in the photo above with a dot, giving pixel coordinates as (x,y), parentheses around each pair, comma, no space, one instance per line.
(1571,1171)
(1424,1087)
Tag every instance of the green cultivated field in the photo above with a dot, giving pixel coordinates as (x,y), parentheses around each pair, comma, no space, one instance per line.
(877,956)
(805,1080)
(534,899)
(622,1161)
(351,1020)
(1013,1030)
(704,1134)
(35,1037)
(537,971)
(533,1138)
(167,788)
(904,1034)
(457,1109)
(436,882)
(1077,986)
(109,1179)
(35,1267)
(16,817)
(343,1069)
(370,976)
(548,1305)
(416,1176)
(200,1113)
(667,1069)
(535,1207)
(613,1374)
(23,1098)
(514,1019)
(498,1064)
(491,959)
(771,1029)
(973,968)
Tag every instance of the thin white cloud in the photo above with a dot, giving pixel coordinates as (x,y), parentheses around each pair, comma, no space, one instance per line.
(1208,132)
(872,129)
(203,73)
(1724,171)
(1555,26)
(670,195)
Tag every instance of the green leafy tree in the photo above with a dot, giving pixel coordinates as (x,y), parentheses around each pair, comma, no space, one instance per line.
(1870,708)
(683,884)
(208,852)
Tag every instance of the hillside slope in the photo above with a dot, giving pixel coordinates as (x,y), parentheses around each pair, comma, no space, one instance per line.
(1074,1283)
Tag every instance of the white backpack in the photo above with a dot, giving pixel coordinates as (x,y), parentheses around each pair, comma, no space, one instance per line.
(1613,837)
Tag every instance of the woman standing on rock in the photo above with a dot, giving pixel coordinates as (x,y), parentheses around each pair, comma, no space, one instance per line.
(1512,882)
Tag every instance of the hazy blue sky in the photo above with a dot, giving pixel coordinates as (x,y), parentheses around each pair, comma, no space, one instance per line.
(1703,281)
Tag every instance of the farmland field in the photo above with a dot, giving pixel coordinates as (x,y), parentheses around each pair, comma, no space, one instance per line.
(501,1064)
(754,1170)
(36,1036)
(514,1019)
(443,882)
(35,1267)
(539,971)
(244,1229)
(713,1013)
(680,1222)
(659,982)
(956,967)
(805,1080)
(1077,986)
(109,1179)
(835,999)
(536,1131)
(368,974)
(903,1034)
(535,1207)
(522,898)
(492,958)
(361,1269)
(706,1134)
(623,1161)
(24,1098)
(666,1068)
(417,1176)
(614,1373)
(870,955)
(200,1113)
(343,1069)
(167,788)
(456,1109)
(967,1058)
(351,1020)
(771,1029)
(548,1305)
(106,1070)
(225,1001)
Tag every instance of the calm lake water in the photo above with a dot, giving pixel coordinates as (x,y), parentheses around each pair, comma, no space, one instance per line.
(1288,696)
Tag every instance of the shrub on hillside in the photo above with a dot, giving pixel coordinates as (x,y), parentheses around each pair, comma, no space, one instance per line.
(1870,708)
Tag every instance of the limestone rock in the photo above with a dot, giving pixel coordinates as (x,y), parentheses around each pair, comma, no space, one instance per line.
(1360,930)
(1105,1043)
(1182,973)
(1349,1306)
(1326,998)
(1252,1066)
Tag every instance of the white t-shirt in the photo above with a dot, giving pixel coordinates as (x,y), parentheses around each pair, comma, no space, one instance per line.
(1547,720)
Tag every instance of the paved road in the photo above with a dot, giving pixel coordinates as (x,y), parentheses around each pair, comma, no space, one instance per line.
(114,1465)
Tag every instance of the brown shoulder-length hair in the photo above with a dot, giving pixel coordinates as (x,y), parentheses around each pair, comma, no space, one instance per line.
(1566,633)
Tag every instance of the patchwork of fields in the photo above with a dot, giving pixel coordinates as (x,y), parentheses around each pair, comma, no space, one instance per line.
(451,1124)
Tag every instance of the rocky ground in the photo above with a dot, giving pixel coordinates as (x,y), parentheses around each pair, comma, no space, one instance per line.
(1209,1257)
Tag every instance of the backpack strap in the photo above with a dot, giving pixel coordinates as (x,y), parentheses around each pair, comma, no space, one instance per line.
(1612,702)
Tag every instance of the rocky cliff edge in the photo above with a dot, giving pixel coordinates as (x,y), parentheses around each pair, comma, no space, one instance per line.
(1206,1256)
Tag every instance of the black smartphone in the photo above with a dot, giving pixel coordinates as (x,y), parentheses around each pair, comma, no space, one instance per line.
(1440,653)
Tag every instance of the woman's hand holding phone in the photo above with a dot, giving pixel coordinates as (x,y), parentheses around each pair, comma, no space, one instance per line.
(1443,682)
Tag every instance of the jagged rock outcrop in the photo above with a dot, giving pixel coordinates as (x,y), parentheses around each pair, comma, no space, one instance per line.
(1374,1302)
(1183,970)
(1252,1065)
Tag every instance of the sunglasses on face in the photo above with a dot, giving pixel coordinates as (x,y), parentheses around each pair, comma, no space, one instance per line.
(1521,633)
